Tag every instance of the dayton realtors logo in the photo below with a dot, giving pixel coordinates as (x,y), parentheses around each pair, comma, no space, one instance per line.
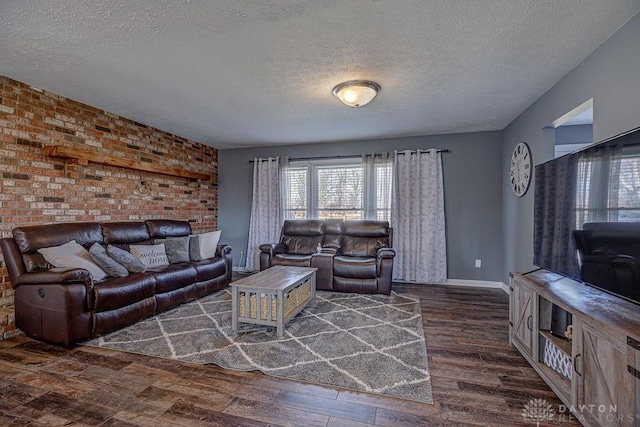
(537,410)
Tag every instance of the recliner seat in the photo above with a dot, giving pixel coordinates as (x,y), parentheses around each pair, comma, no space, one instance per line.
(356,254)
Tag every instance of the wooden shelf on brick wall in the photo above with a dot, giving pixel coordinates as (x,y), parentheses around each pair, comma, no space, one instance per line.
(78,156)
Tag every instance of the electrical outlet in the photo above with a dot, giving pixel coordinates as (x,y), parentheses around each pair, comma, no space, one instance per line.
(478,263)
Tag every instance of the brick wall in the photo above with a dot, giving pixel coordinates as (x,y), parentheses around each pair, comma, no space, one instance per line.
(35,189)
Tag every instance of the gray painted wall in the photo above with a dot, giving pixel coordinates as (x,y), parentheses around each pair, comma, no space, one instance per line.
(579,134)
(473,194)
(610,75)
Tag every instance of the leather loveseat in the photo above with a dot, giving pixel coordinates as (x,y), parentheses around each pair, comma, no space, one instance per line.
(66,306)
(356,255)
(610,256)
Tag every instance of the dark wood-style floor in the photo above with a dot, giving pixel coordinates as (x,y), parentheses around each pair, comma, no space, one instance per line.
(477,380)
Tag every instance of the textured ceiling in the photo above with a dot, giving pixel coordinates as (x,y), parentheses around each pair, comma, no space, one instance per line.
(236,73)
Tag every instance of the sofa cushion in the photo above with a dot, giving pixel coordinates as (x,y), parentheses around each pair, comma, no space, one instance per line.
(332,233)
(302,245)
(117,292)
(209,269)
(292,260)
(163,228)
(364,237)
(365,228)
(177,248)
(173,277)
(105,262)
(350,284)
(128,261)
(30,239)
(112,320)
(306,227)
(152,256)
(355,267)
(361,246)
(122,233)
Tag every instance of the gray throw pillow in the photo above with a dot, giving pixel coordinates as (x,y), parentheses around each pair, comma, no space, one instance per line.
(194,248)
(131,263)
(105,262)
(177,248)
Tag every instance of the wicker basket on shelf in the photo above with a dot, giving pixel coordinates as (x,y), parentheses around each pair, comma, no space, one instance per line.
(292,300)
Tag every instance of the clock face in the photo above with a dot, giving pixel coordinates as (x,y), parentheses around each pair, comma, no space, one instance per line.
(521,169)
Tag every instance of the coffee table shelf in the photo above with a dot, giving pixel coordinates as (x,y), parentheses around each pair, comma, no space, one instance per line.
(272,297)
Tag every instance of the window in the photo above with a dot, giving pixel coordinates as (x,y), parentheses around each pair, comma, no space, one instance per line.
(608,186)
(628,191)
(295,192)
(342,188)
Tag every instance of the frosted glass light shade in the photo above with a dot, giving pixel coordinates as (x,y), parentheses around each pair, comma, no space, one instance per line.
(356,93)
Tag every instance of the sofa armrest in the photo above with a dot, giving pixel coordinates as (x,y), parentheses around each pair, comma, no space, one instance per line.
(273,248)
(222,250)
(60,276)
(12,259)
(332,250)
(384,266)
(625,261)
(267,251)
(386,253)
(54,276)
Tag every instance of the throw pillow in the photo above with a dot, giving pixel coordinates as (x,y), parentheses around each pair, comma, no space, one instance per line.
(131,263)
(203,246)
(72,255)
(105,262)
(177,248)
(194,247)
(53,253)
(152,256)
(73,261)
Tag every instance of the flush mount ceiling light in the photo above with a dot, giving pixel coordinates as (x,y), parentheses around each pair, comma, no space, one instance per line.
(356,93)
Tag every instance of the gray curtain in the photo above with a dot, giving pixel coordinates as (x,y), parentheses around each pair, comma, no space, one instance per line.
(555,215)
(266,208)
(377,185)
(598,184)
(417,217)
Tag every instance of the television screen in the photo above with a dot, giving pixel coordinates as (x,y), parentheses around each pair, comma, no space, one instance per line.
(587,215)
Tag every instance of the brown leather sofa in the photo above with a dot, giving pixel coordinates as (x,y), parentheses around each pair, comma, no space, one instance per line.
(356,254)
(64,306)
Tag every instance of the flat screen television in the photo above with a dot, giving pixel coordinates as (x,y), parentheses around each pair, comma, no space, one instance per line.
(587,215)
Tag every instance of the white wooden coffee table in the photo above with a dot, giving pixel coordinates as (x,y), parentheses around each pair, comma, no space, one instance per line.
(272,297)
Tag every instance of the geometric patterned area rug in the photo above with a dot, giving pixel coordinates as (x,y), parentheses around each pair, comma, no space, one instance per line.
(372,343)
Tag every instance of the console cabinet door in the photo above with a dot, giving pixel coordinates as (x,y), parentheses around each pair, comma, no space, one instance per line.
(522,316)
(605,390)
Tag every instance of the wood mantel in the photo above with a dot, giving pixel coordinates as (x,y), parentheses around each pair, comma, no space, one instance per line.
(84,156)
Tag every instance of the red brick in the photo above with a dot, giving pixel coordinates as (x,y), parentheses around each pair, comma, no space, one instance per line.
(35,118)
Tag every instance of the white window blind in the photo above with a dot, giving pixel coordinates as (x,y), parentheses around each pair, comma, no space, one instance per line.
(295,192)
(339,188)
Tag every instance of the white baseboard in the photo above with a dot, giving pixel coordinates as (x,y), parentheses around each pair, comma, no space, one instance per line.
(477,284)
(449,282)
(468,284)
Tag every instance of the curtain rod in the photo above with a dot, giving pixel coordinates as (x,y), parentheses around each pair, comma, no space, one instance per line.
(298,159)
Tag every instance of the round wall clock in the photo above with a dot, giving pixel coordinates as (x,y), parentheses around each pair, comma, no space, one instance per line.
(521,169)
